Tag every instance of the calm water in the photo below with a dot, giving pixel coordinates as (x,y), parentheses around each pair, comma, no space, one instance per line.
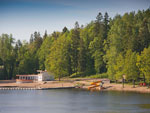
(72,101)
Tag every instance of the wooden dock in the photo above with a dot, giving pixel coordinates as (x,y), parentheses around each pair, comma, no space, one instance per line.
(56,88)
(20,88)
(16,88)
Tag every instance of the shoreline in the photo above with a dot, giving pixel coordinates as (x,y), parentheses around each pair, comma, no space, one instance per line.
(78,83)
(129,88)
(118,87)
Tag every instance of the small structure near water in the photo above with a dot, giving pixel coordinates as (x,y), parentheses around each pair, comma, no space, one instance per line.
(42,76)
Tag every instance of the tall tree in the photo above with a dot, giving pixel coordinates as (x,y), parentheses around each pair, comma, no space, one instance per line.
(31,38)
(106,25)
(37,40)
(81,57)
(44,51)
(45,35)
(96,46)
(99,17)
(75,38)
(57,61)
(7,54)
(119,67)
(143,63)
(64,29)
(144,36)
(130,69)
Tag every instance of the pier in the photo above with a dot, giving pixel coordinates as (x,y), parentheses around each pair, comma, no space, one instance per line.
(20,88)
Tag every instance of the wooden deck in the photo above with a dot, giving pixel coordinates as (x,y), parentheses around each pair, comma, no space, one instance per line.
(27,88)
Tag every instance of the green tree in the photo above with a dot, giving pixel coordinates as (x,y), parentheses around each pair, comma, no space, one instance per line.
(7,55)
(29,64)
(144,36)
(106,25)
(99,18)
(44,51)
(87,35)
(45,35)
(143,63)
(130,69)
(96,46)
(113,45)
(37,41)
(75,38)
(82,58)
(64,29)
(57,61)
(119,67)
(31,38)
(27,60)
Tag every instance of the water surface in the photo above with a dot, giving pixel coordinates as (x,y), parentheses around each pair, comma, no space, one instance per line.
(72,101)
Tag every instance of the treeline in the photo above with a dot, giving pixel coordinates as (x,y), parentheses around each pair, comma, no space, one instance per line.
(110,47)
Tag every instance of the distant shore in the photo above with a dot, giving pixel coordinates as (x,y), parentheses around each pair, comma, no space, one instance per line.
(77,83)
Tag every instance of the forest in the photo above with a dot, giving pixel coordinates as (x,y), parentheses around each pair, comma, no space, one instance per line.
(105,47)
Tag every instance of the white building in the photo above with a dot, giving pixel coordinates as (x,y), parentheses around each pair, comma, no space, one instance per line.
(42,76)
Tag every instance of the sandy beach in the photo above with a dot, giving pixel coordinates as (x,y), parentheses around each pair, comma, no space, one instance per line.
(78,83)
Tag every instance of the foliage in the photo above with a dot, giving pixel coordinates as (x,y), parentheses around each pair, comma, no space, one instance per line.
(119,67)
(57,61)
(130,69)
(143,63)
(103,48)
(44,51)
(7,55)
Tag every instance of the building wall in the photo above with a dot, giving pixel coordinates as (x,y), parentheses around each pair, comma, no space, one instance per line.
(46,76)
(43,76)
(40,77)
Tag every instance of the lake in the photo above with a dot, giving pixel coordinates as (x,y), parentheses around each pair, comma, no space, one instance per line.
(72,101)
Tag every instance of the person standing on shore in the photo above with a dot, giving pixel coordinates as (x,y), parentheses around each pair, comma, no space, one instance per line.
(101,84)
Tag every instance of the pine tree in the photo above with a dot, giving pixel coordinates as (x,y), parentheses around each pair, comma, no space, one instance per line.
(31,38)
(75,37)
(45,35)
(81,58)
(106,25)
(64,29)
(99,17)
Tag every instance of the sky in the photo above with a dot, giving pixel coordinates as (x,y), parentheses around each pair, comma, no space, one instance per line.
(21,18)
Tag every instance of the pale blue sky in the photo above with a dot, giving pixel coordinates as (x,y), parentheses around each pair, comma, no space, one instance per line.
(23,17)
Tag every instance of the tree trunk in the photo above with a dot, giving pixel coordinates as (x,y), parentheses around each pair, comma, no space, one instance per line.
(59,78)
(144,78)
(133,83)
(123,83)
(116,81)
(5,73)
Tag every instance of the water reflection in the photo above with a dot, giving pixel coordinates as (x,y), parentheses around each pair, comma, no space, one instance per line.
(72,101)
